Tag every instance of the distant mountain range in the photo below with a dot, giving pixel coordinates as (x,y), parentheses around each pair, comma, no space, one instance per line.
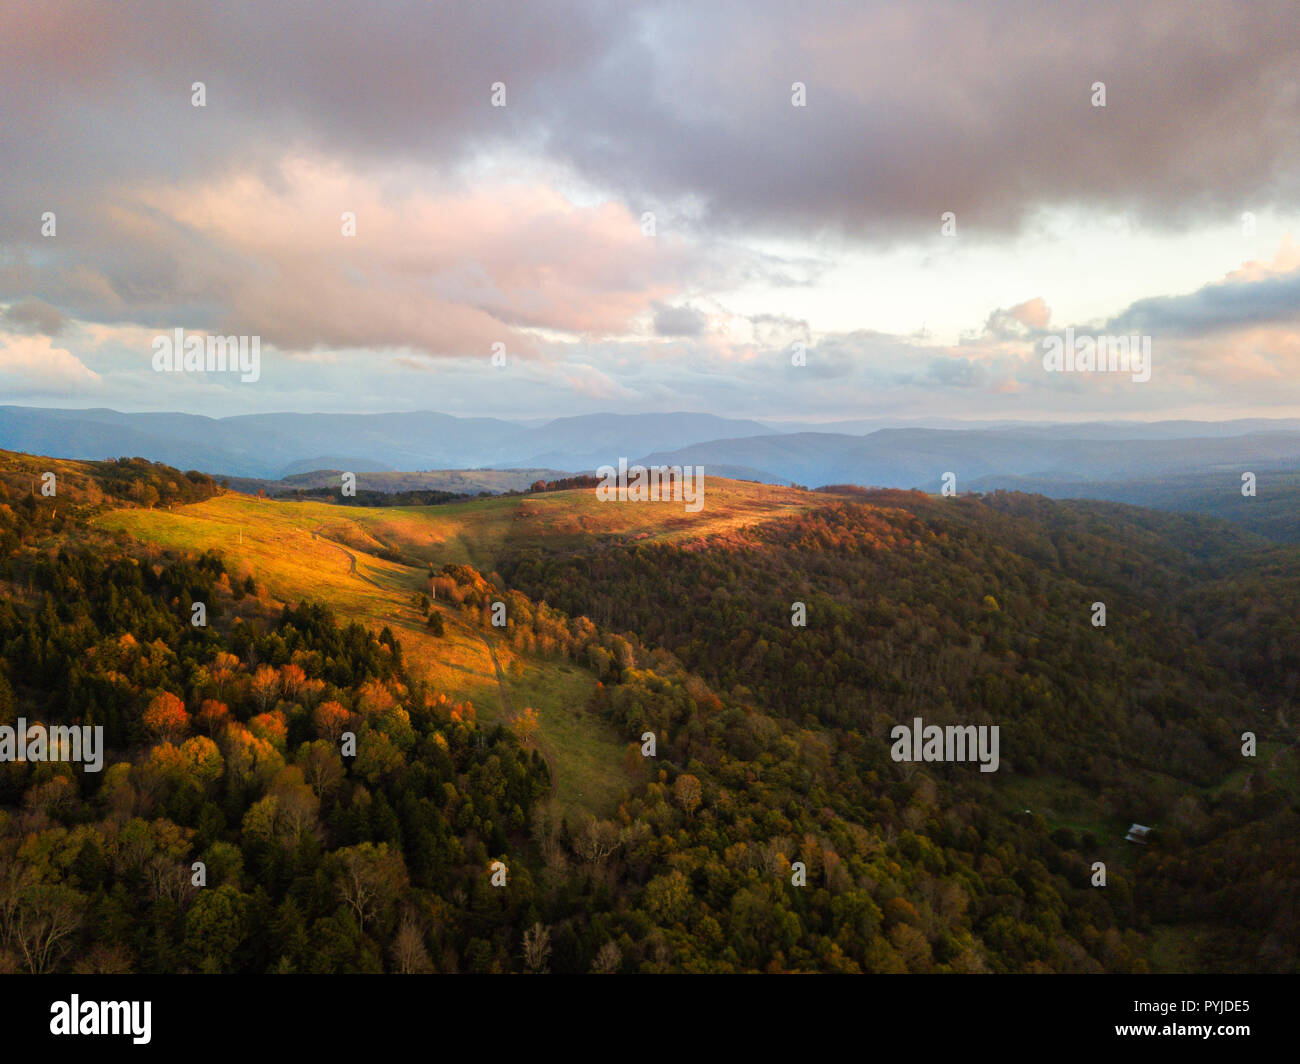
(1094,459)
(278,445)
(983,459)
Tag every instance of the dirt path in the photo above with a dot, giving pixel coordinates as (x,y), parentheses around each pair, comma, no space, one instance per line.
(506,704)
(508,707)
(352,558)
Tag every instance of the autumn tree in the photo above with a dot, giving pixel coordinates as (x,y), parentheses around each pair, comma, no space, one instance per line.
(525,725)
(331,720)
(321,765)
(224,670)
(310,692)
(213,716)
(273,727)
(375,699)
(265,686)
(165,718)
(292,679)
(688,792)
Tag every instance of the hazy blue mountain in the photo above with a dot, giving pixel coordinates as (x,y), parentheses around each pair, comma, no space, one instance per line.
(271,446)
(593,440)
(185,441)
(413,440)
(1113,430)
(332,462)
(863,426)
(1166,430)
(918,458)
(275,445)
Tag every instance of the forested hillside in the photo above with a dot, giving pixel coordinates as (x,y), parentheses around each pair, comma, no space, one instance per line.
(437,847)
(980,611)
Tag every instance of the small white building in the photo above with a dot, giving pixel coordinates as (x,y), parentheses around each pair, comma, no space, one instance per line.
(1138,833)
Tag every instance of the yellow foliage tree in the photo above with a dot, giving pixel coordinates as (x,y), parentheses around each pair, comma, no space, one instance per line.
(525,725)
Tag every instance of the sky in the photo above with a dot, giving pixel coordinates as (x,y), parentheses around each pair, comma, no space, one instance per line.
(789,211)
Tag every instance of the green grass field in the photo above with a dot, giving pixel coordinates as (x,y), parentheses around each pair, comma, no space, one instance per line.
(301,551)
(477,532)
(308,550)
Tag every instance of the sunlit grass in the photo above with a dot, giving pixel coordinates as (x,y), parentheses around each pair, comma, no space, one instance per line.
(273,542)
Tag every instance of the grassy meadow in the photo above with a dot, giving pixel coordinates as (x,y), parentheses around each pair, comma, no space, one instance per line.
(328,552)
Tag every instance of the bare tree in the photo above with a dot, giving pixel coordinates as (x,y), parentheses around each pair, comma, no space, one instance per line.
(322,767)
(537,948)
(597,840)
(46,920)
(370,877)
(607,959)
(15,879)
(168,879)
(408,951)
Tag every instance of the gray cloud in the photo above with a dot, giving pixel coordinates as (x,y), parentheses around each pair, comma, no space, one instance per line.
(99,94)
(33,317)
(1216,307)
(779,330)
(982,109)
(958,372)
(912,109)
(679,321)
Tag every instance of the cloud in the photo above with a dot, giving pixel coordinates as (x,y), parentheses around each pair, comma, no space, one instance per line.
(779,330)
(588,382)
(1287,260)
(1223,306)
(1020,320)
(443,270)
(912,110)
(958,372)
(679,321)
(110,85)
(980,109)
(521,225)
(33,316)
(32,365)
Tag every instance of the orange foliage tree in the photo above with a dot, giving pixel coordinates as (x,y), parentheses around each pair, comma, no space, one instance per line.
(165,719)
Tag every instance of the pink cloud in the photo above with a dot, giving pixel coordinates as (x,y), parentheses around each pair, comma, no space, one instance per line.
(448,272)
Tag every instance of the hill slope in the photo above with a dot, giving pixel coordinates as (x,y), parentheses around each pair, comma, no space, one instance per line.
(706,751)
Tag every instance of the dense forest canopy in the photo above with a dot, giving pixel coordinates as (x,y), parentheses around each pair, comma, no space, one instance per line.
(227,750)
